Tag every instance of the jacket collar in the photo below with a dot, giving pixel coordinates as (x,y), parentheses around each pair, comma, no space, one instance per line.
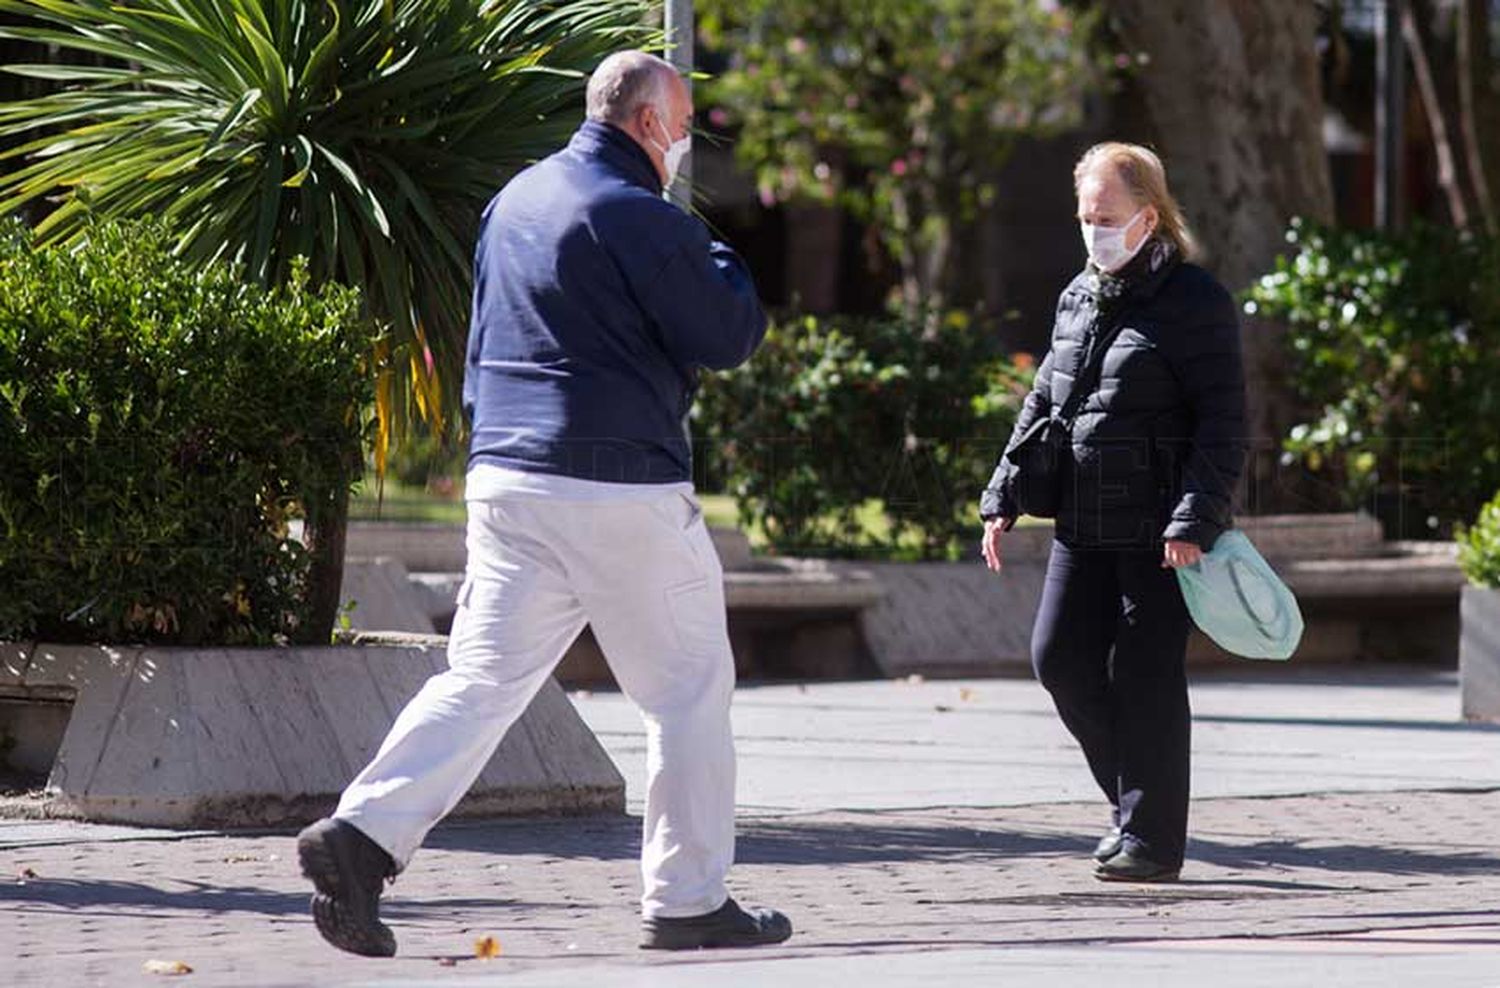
(617,150)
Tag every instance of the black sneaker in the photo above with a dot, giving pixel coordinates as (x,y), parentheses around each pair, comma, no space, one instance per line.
(727,926)
(348,869)
(1131,866)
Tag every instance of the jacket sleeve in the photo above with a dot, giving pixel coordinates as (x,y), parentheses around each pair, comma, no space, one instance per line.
(703,302)
(996,501)
(1210,370)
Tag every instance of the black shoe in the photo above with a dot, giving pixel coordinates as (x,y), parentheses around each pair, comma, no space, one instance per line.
(348,869)
(727,926)
(1131,866)
(1109,845)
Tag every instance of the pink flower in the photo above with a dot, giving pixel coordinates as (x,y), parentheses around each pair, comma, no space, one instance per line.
(898,167)
(718,116)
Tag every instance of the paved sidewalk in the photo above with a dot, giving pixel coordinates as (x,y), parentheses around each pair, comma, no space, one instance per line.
(914,832)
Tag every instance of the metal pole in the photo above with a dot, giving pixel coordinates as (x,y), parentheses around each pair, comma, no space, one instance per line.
(680,34)
(1390,117)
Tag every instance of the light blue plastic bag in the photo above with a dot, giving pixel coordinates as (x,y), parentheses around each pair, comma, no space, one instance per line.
(1240,602)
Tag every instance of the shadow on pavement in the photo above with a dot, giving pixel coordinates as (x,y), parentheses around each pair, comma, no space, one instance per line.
(806,842)
(1347,858)
(144,900)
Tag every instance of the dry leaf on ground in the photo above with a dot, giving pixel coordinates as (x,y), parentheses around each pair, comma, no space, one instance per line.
(486,948)
(166,967)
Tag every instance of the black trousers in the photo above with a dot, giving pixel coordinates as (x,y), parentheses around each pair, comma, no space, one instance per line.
(1110,645)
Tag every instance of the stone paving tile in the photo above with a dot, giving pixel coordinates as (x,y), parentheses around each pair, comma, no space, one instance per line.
(562,893)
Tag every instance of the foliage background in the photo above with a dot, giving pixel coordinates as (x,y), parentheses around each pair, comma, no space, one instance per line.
(835,416)
(901,111)
(1395,343)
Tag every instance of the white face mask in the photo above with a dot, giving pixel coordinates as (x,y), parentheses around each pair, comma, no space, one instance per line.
(674,152)
(1106,244)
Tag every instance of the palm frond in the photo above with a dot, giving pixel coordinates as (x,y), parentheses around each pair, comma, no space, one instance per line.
(366,135)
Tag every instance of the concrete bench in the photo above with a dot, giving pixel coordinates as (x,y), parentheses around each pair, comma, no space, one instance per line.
(1363,598)
(237,737)
(787,618)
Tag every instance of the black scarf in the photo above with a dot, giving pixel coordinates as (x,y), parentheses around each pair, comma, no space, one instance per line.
(1151,263)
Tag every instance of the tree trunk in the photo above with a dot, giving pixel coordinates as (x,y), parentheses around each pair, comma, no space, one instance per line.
(1233,95)
(327,526)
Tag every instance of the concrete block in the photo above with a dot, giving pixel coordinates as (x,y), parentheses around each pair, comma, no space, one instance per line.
(1314,536)
(269,737)
(1479,653)
(952,619)
(422,547)
(384,597)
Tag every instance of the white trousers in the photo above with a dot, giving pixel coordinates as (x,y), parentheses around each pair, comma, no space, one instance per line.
(645,575)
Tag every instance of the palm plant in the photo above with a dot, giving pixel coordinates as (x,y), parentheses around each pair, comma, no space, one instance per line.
(365,135)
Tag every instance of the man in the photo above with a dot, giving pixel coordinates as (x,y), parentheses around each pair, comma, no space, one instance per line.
(595,304)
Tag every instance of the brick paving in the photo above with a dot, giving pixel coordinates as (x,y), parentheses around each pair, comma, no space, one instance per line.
(1399,870)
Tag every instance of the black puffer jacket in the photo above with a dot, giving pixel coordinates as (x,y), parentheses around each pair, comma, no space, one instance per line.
(1159,445)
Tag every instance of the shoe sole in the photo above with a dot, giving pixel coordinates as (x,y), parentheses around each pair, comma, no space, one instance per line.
(1166,876)
(669,938)
(320,865)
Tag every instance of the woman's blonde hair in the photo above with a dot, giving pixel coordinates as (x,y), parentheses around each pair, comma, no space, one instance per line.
(1146,178)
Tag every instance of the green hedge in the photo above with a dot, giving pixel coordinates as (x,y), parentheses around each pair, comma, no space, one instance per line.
(835,417)
(1395,341)
(1479,547)
(161,431)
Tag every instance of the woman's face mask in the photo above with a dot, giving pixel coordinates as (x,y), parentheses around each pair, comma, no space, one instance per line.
(1106,244)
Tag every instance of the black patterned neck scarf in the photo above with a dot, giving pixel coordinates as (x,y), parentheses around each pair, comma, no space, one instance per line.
(1150,264)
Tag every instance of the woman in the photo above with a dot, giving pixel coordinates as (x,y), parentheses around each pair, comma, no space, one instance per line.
(1157,449)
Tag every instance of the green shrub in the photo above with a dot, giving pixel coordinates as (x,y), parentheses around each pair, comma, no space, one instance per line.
(1479,547)
(1395,340)
(832,413)
(161,428)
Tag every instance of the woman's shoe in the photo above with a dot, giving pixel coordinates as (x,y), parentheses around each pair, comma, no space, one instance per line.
(1109,845)
(1131,866)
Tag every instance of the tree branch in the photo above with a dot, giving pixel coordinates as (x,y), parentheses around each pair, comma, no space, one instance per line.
(1427,88)
(1471,16)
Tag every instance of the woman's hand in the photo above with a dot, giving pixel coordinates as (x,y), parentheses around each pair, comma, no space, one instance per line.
(1177,554)
(990,544)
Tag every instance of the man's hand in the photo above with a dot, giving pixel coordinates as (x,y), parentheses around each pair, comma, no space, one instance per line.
(1176,554)
(990,544)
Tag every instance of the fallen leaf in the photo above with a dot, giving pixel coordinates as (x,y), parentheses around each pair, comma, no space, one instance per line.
(486,948)
(166,967)
(943,709)
(25,874)
(965,694)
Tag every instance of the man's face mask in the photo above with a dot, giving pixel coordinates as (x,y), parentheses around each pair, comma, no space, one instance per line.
(674,151)
(1106,244)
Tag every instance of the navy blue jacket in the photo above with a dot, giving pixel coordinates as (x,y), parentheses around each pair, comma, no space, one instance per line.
(596,303)
(1159,445)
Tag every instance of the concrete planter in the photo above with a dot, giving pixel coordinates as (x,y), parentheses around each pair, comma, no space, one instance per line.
(263,737)
(1479,653)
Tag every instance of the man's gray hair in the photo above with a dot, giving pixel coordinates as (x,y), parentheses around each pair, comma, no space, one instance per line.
(626,81)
